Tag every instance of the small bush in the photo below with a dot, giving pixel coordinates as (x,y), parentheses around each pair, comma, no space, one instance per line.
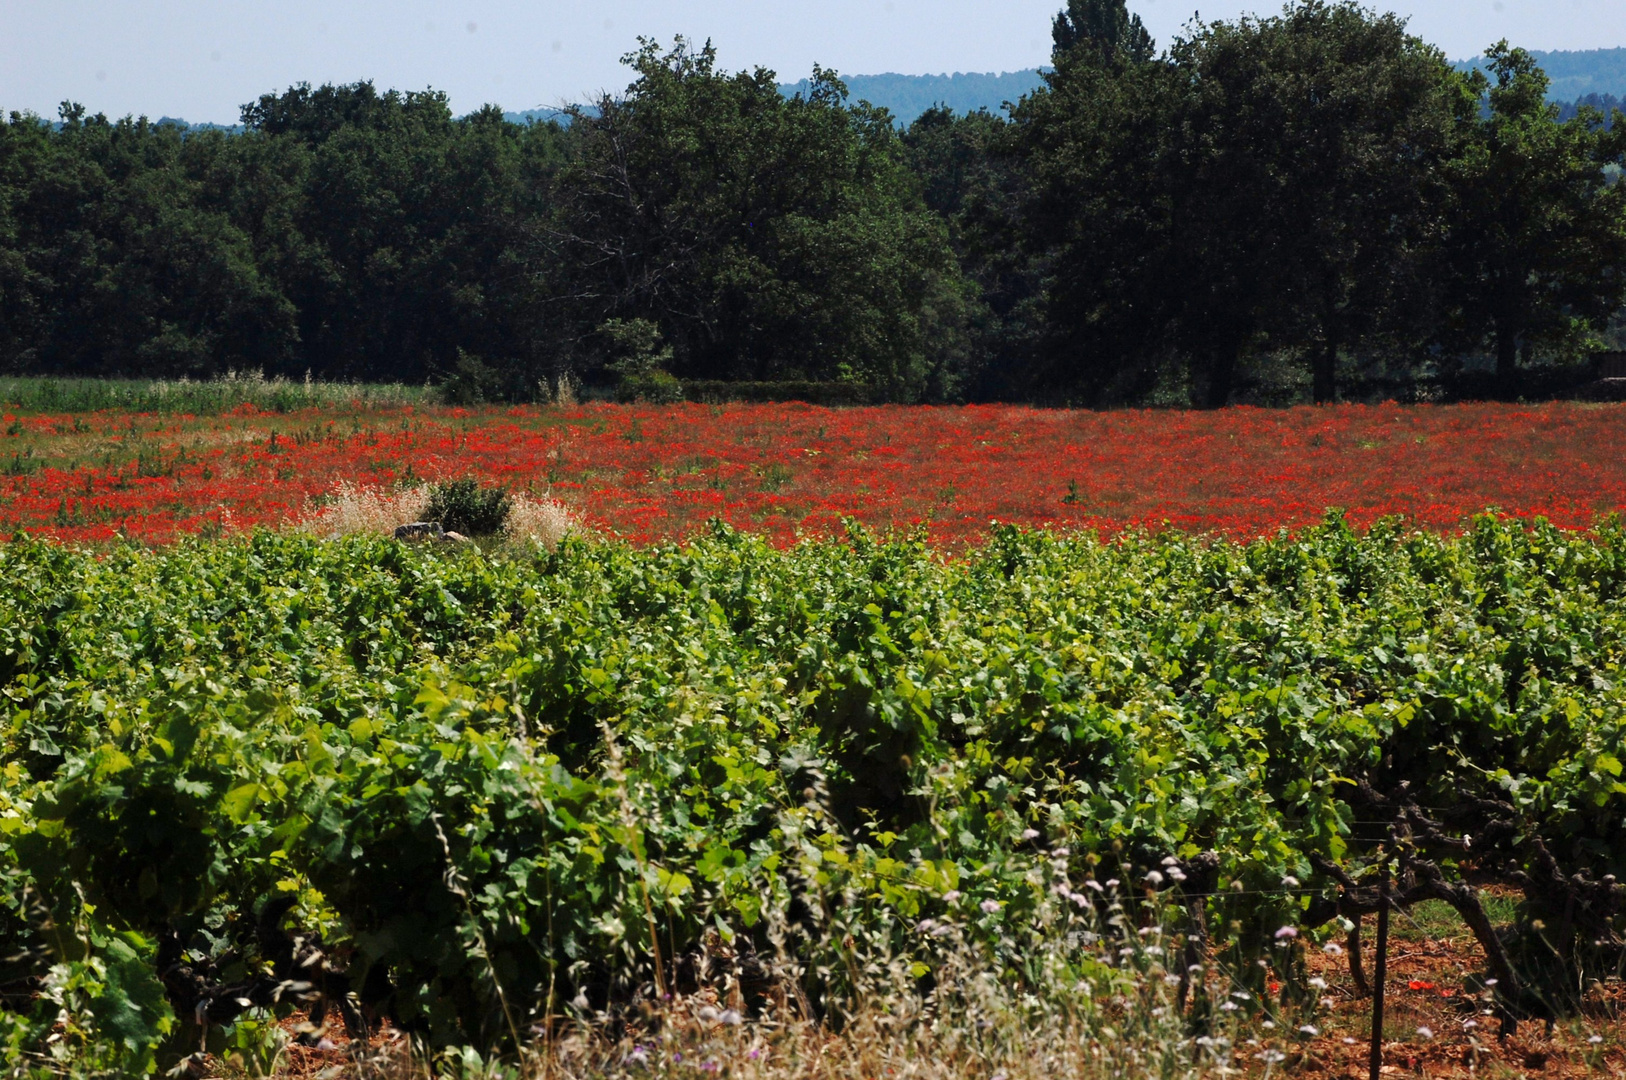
(463,506)
(653,388)
(471,382)
(639,358)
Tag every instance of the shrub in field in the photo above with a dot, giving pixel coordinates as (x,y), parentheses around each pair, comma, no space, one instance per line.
(498,790)
(351,510)
(464,506)
(640,359)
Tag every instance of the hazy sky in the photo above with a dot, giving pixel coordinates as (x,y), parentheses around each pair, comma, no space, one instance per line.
(201,59)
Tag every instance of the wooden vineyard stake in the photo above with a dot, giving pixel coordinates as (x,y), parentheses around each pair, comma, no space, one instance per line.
(1380,970)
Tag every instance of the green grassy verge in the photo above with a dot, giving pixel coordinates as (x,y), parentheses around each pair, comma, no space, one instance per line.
(199,398)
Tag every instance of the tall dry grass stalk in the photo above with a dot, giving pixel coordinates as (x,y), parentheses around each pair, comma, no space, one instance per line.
(541,521)
(1095,1004)
(980,1028)
(351,509)
(565,394)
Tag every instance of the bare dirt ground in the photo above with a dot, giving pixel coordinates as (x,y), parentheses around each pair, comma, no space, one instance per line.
(1435,1022)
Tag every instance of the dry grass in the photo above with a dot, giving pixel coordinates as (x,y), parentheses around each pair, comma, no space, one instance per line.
(351,509)
(1116,1016)
(541,521)
(1082,991)
(697,1040)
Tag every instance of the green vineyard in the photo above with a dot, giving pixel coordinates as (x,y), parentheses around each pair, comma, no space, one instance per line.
(468,794)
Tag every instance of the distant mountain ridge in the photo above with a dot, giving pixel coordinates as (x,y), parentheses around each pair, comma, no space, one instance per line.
(1575,75)
(907,96)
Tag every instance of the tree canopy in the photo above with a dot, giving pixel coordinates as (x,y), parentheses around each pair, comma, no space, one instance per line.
(1305,205)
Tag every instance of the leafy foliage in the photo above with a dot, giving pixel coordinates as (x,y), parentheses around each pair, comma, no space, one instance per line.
(640,360)
(1285,207)
(767,238)
(500,784)
(1538,227)
(463,506)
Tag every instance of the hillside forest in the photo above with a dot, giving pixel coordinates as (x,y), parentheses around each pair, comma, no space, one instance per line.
(1305,206)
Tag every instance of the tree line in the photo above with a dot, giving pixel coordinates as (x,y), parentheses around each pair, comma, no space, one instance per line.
(1311,204)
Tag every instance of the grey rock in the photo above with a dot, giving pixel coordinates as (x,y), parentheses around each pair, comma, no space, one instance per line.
(420,530)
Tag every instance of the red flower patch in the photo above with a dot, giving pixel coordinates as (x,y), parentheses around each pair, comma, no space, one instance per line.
(787,471)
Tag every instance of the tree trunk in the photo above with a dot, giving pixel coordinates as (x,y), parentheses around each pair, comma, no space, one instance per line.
(1324,372)
(1221,376)
(1507,356)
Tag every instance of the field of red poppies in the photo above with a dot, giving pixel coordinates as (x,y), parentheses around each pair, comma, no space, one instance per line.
(648,473)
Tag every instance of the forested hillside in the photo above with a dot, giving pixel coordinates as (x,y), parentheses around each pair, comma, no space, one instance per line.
(1306,206)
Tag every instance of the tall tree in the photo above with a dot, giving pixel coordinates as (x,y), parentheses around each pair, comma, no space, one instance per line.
(408,236)
(1094,219)
(972,176)
(1536,246)
(1306,160)
(767,237)
(1264,187)
(25,143)
(123,266)
(1103,26)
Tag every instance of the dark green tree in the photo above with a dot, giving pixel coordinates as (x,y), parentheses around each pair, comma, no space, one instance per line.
(1535,252)
(767,238)
(1094,216)
(1267,186)
(347,232)
(1103,26)
(121,266)
(973,176)
(25,142)
(410,235)
(1306,167)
